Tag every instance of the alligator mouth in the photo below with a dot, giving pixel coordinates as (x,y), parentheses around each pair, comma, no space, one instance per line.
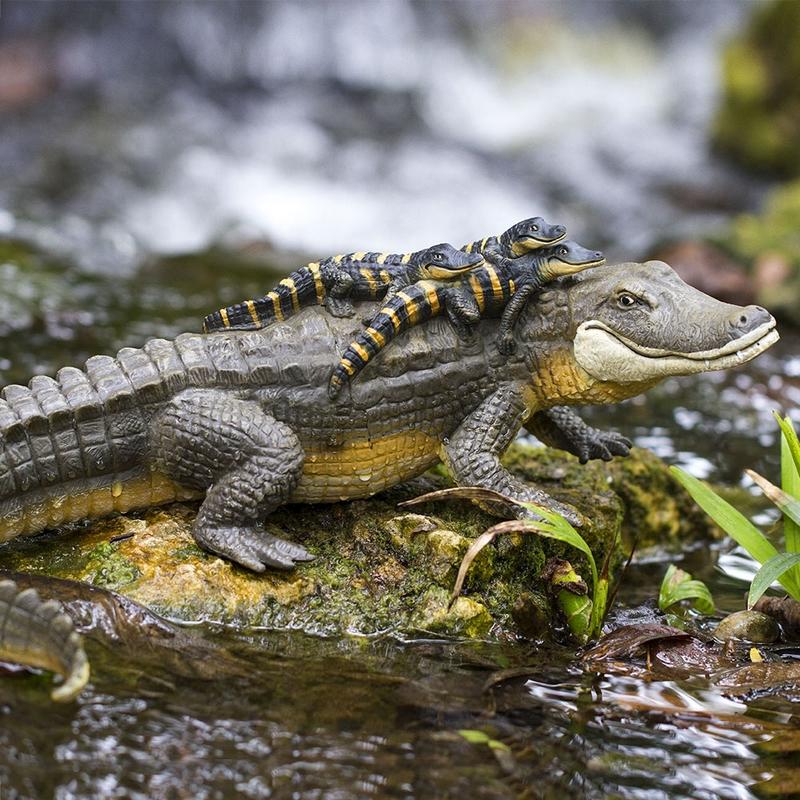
(609,355)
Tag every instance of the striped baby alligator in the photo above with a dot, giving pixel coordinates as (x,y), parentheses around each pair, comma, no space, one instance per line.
(370,276)
(486,291)
(240,420)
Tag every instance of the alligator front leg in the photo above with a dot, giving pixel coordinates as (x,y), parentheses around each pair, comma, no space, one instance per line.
(506,343)
(473,452)
(247,462)
(462,311)
(338,287)
(562,428)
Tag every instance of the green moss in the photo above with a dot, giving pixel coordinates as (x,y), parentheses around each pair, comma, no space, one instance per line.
(758,122)
(377,569)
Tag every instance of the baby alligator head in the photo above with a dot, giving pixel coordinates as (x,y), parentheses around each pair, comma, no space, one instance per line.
(531,234)
(443,262)
(568,258)
(639,323)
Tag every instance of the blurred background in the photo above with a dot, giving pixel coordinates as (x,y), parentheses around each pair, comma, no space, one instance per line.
(161,159)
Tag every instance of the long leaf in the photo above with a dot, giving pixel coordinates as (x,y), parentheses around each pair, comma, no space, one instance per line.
(472,553)
(769,573)
(679,585)
(790,437)
(785,503)
(554,526)
(733,522)
(790,483)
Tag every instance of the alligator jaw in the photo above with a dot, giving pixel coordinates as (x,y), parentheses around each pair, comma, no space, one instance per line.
(608,356)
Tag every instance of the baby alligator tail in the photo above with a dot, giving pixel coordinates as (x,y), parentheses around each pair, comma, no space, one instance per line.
(39,634)
(299,289)
(414,304)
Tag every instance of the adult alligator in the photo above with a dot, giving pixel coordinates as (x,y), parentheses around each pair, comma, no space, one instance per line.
(243,418)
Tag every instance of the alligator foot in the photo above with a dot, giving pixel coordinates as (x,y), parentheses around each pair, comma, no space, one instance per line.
(602,444)
(339,306)
(506,343)
(250,547)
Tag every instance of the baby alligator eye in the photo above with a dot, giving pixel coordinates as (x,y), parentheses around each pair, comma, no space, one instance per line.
(626,300)
(562,251)
(437,257)
(534,227)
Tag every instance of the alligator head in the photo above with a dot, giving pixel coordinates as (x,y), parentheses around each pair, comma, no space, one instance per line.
(444,262)
(637,323)
(531,234)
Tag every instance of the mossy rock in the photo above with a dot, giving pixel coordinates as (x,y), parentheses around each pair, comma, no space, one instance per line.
(758,122)
(377,569)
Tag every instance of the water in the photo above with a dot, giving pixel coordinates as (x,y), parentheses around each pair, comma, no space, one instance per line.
(172,158)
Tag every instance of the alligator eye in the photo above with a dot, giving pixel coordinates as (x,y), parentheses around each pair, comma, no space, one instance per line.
(534,227)
(438,257)
(562,251)
(626,300)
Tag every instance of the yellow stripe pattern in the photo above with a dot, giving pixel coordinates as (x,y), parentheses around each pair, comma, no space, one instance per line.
(251,307)
(477,290)
(376,336)
(224,314)
(370,279)
(276,305)
(411,306)
(319,286)
(289,284)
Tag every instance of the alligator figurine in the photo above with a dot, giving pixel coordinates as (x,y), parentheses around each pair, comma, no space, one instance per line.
(240,419)
(363,276)
(370,276)
(486,291)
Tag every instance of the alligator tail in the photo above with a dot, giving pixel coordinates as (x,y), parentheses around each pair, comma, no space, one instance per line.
(414,304)
(38,633)
(302,288)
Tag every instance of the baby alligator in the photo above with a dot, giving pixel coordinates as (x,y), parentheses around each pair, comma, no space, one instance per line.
(364,276)
(369,276)
(486,291)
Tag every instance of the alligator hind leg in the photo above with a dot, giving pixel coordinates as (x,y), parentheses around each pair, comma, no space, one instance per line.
(248,463)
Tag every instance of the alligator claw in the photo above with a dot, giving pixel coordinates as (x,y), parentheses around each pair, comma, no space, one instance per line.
(506,344)
(339,307)
(604,445)
(252,548)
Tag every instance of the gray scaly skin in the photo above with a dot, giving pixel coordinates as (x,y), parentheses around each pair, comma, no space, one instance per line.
(334,281)
(38,633)
(241,419)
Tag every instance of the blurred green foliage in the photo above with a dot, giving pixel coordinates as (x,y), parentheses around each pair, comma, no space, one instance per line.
(758,123)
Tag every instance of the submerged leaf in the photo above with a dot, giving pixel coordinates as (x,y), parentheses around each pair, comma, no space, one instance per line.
(630,639)
(770,572)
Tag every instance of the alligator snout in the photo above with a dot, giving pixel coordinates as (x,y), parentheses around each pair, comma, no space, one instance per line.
(747,319)
(559,230)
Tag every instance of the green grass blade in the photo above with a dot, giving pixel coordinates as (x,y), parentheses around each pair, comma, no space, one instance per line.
(554,526)
(769,573)
(790,483)
(787,504)
(733,522)
(678,586)
(789,435)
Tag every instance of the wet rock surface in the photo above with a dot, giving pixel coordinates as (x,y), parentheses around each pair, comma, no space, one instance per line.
(377,569)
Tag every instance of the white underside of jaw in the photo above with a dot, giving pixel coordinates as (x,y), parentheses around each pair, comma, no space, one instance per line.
(608,356)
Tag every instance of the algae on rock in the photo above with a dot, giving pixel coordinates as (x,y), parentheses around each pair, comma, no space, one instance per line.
(377,570)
